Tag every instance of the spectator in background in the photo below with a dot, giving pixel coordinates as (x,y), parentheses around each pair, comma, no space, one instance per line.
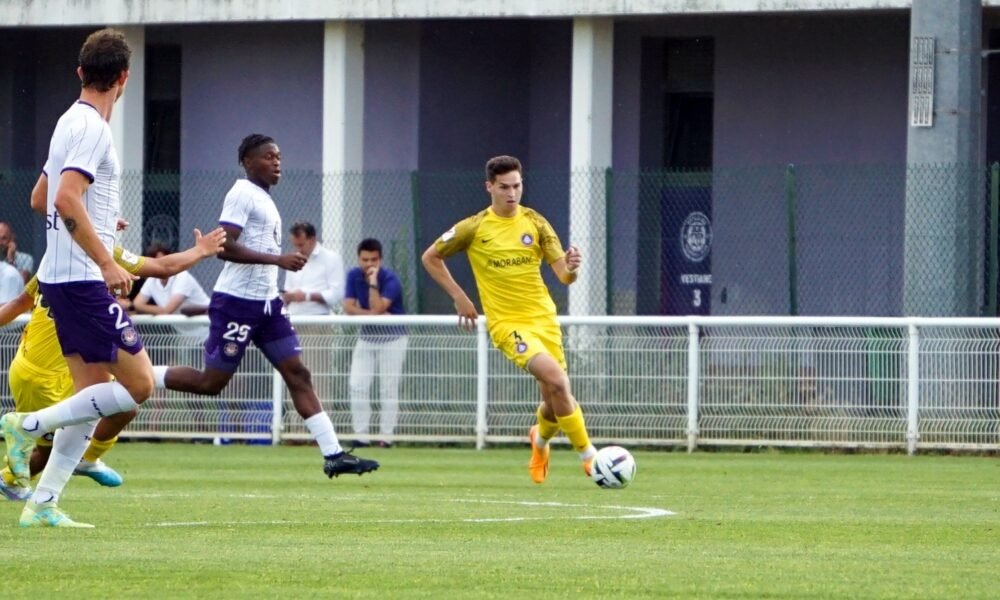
(319,287)
(375,290)
(11,283)
(22,261)
(316,289)
(178,294)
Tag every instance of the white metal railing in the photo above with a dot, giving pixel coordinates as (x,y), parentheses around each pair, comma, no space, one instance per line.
(914,383)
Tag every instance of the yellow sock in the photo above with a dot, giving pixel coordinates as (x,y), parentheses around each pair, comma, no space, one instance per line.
(546,429)
(97,448)
(576,430)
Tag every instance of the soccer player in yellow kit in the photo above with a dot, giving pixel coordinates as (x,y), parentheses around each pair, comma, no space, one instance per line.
(39,376)
(506,244)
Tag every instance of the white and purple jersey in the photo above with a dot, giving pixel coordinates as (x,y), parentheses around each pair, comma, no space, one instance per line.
(250,208)
(81,142)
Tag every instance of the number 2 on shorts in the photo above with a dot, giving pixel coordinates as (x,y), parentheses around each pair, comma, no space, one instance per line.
(117,310)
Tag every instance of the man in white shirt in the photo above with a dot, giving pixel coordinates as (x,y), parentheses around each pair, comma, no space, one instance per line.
(173,295)
(11,283)
(79,279)
(315,290)
(22,261)
(319,287)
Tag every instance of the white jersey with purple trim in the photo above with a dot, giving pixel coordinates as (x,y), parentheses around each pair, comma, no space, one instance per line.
(81,142)
(250,208)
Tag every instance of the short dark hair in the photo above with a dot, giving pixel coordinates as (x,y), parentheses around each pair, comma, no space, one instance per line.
(156,248)
(103,57)
(251,143)
(303,228)
(370,245)
(499,165)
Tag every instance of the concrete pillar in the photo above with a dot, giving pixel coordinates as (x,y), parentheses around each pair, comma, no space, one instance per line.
(343,149)
(943,254)
(128,126)
(590,155)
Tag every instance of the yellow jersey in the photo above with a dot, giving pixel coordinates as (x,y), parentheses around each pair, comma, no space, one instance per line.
(39,343)
(506,256)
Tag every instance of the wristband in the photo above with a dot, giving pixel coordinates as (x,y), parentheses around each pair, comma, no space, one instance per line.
(373,286)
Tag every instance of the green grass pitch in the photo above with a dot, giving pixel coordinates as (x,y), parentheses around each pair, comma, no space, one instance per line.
(239,521)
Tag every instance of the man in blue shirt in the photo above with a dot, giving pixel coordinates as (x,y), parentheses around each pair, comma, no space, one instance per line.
(374,290)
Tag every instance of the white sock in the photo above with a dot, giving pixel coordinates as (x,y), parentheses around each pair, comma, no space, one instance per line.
(160,377)
(67,450)
(88,404)
(321,428)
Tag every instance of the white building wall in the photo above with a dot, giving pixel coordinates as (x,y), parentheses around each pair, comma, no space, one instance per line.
(123,12)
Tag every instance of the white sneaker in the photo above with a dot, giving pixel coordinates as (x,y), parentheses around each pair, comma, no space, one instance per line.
(47,514)
(99,472)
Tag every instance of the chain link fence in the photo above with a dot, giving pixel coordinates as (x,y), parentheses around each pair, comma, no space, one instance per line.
(786,240)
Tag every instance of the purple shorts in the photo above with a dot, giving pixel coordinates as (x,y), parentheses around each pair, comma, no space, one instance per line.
(89,321)
(235,322)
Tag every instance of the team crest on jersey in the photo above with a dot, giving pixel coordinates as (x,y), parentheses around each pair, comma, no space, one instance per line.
(129,336)
(231,349)
(527,240)
(448,235)
(521,347)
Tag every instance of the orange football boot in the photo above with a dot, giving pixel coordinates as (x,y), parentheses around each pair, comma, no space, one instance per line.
(538,466)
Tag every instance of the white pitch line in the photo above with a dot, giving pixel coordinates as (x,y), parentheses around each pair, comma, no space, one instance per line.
(640,512)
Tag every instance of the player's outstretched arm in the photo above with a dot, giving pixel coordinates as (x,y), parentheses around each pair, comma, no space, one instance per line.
(14,307)
(40,194)
(434,263)
(567,267)
(172,264)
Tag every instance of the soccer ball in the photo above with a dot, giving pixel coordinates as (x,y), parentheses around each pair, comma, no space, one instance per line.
(613,468)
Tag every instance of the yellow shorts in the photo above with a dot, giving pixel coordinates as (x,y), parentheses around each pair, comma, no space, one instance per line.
(34,389)
(520,342)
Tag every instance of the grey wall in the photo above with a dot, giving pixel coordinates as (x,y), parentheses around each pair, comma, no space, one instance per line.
(443,96)
(392,90)
(488,88)
(242,79)
(391,138)
(549,91)
(56,83)
(8,43)
(812,90)
(818,91)
(38,82)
